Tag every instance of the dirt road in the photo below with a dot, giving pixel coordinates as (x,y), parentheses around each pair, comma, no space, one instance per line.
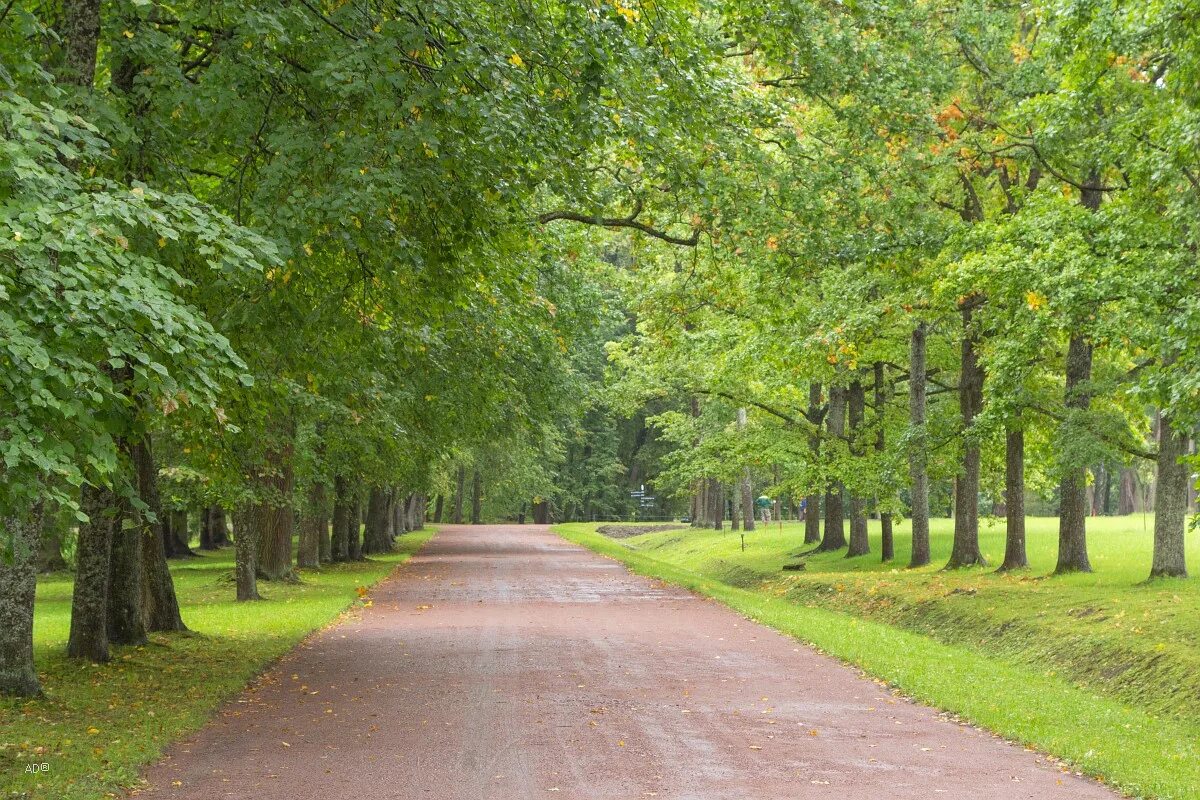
(504,663)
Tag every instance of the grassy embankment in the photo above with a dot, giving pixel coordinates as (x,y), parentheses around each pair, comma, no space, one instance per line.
(1100,670)
(98,724)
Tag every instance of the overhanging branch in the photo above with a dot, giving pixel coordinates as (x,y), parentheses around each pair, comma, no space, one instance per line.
(629,221)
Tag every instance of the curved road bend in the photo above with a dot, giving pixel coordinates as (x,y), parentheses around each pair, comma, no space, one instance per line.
(503,662)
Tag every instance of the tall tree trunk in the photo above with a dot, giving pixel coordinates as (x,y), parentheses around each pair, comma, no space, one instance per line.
(918,453)
(437,508)
(375,537)
(247,524)
(18,583)
(716,494)
(887,538)
(392,515)
(174,533)
(126,622)
(354,531)
(1170,502)
(160,606)
(860,544)
(1014,498)
(50,557)
(835,528)
(220,527)
(1072,519)
(312,524)
(744,489)
(340,543)
(965,551)
(459,490)
(812,506)
(279,518)
(89,603)
(476,498)
(1127,492)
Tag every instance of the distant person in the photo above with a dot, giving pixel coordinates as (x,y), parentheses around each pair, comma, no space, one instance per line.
(763,504)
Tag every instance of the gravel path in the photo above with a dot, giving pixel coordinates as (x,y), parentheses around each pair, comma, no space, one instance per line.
(503,663)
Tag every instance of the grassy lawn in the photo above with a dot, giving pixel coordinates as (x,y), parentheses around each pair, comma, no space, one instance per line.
(100,723)
(1100,670)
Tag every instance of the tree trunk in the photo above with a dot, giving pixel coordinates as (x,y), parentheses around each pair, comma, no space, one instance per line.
(354,526)
(812,506)
(278,517)
(460,488)
(89,603)
(835,529)
(541,512)
(246,525)
(1014,498)
(437,508)
(18,583)
(1170,502)
(965,551)
(918,455)
(860,544)
(1127,492)
(50,557)
(1072,519)
(745,489)
(375,537)
(716,495)
(126,623)
(476,498)
(160,606)
(340,542)
(887,538)
(312,524)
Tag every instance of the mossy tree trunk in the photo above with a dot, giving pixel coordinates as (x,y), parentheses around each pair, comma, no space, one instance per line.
(476,498)
(1072,515)
(340,542)
(1170,503)
(918,454)
(965,551)
(246,525)
(18,581)
(887,539)
(1014,498)
(860,544)
(160,605)
(460,481)
(835,524)
(89,601)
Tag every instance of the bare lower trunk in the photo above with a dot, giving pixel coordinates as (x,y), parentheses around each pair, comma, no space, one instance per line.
(437,508)
(375,537)
(860,544)
(965,551)
(745,489)
(1014,499)
(354,531)
(1072,518)
(476,498)
(1170,503)
(459,489)
(50,557)
(278,518)
(882,391)
(716,495)
(313,521)
(89,603)
(918,454)
(835,529)
(160,606)
(246,525)
(340,542)
(18,581)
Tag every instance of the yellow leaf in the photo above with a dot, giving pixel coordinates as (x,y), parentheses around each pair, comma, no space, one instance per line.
(516,60)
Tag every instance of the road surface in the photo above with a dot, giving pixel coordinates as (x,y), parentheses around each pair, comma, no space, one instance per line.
(503,663)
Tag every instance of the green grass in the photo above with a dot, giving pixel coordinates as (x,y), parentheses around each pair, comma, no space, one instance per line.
(98,724)
(1100,670)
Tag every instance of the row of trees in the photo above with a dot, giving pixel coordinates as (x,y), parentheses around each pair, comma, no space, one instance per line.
(943,243)
(278,262)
